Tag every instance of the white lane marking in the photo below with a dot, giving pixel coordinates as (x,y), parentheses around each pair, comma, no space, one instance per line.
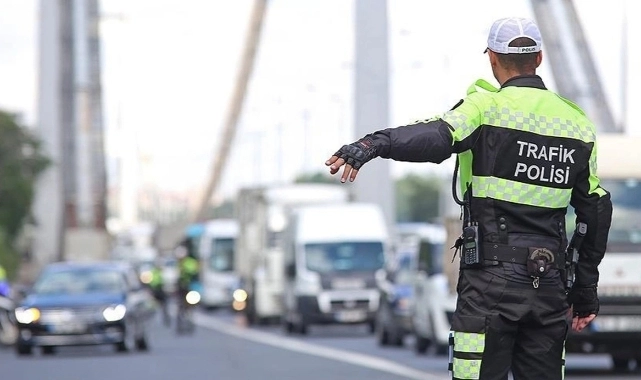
(314,349)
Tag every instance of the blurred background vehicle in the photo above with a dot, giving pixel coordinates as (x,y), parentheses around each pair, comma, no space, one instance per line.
(84,304)
(435,301)
(218,277)
(330,273)
(396,283)
(617,329)
(262,213)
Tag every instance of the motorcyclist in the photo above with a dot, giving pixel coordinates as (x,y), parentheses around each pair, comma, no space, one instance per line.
(157,285)
(187,276)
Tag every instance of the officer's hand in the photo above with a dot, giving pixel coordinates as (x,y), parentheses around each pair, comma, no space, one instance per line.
(353,156)
(579,323)
(585,306)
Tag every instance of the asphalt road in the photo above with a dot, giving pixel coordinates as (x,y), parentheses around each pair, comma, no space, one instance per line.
(224,349)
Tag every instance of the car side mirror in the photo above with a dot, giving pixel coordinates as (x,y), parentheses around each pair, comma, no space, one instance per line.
(290,270)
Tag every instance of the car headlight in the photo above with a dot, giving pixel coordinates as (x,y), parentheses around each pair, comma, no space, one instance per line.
(114,313)
(240,295)
(27,315)
(192,297)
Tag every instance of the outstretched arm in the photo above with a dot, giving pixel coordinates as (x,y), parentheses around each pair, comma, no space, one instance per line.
(432,140)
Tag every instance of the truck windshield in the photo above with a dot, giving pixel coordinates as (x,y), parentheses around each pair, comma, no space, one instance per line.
(344,256)
(625,231)
(222,255)
(626,213)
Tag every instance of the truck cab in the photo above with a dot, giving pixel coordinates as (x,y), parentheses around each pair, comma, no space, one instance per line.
(263,216)
(217,274)
(330,268)
(617,329)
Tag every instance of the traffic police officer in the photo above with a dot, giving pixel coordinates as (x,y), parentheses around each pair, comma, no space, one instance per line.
(525,154)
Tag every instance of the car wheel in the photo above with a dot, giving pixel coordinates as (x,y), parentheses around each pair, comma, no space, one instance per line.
(303,328)
(442,349)
(48,350)
(621,364)
(399,340)
(421,344)
(22,349)
(288,327)
(371,327)
(128,341)
(141,343)
(382,336)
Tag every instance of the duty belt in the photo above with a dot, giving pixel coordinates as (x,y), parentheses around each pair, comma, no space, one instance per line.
(513,254)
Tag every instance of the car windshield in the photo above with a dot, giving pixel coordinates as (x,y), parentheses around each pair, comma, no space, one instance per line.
(222,255)
(345,256)
(80,281)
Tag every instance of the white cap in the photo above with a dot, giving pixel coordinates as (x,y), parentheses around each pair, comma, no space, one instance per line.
(506,30)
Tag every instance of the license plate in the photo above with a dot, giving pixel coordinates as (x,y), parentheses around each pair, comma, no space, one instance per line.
(68,328)
(617,323)
(351,316)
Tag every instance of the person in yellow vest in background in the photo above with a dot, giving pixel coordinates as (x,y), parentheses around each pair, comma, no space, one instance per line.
(187,273)
(157,284)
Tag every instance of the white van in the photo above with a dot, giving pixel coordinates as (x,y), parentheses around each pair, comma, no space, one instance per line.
(217,275)
(332,253)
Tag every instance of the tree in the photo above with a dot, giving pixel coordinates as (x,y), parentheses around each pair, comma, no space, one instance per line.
(417,198)
(317,177)
(21,161)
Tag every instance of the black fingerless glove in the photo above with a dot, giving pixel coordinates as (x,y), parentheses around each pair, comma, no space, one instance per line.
(584,301)
(358,153)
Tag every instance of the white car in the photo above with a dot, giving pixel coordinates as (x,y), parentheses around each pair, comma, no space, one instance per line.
(434,302)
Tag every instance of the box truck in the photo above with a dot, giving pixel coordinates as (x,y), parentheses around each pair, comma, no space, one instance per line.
(262,214)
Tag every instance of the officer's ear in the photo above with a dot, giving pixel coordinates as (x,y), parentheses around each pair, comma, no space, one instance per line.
(539,59)
(494,61)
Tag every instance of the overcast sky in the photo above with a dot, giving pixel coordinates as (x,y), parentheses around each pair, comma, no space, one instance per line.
(169,66)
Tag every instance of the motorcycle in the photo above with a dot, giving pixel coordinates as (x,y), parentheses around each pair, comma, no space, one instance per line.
(8,329)
(186,303)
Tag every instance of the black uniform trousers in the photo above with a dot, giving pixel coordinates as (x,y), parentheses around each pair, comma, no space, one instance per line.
(502,323)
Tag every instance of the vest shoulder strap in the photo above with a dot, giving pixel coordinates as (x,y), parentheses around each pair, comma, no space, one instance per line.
(482,84)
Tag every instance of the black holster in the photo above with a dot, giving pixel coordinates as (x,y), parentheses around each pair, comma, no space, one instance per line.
(539,261)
